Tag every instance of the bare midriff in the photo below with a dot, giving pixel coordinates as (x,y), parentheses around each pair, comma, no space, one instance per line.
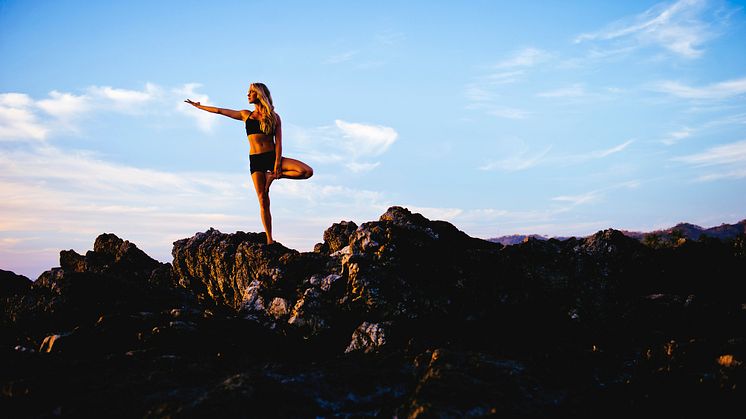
(261,143)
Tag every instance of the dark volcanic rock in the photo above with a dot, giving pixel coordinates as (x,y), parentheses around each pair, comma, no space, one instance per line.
(220,267)
(12,284)
(399,317)
(337,237)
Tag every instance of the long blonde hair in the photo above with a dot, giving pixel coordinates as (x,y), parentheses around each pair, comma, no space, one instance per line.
(268,117)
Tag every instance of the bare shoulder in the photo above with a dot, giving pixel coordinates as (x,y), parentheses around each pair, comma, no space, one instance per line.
(245,114)
(278,121)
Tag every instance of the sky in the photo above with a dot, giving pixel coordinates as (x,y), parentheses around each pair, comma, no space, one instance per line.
(558,118)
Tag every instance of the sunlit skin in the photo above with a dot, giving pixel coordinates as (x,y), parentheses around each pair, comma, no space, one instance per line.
(284,167)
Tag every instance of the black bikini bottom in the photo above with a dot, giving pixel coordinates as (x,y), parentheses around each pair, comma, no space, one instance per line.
(263,162)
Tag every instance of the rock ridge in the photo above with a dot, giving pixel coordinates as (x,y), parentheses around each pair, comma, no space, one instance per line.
(402,316)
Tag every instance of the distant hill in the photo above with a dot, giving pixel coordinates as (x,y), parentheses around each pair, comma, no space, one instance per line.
(685,230)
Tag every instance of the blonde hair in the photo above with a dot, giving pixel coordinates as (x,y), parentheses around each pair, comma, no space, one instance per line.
(268,117)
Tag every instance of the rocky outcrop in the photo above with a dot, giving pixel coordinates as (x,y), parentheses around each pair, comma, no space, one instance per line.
(12,284)
(402,316)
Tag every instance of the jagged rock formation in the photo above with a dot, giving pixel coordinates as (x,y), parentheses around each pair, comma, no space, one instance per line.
(665,237)
(402,317)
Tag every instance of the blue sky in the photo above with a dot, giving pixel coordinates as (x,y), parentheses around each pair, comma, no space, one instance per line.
(555,118)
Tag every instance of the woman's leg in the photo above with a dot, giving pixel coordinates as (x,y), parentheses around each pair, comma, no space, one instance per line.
(291,169)
(262,193)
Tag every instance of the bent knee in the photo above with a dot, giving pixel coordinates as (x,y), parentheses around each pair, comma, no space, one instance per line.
(309,172)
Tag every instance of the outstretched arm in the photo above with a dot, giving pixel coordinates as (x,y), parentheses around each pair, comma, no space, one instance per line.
(240,115)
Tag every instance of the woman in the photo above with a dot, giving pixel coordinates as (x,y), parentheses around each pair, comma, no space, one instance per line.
(264,130)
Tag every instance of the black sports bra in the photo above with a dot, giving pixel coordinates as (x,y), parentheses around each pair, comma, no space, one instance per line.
(253,126)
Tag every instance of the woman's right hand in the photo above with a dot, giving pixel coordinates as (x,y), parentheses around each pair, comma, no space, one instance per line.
(195,104)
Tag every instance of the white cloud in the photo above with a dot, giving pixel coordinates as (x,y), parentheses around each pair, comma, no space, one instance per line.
(527,57)
(65,106)
(726,154)
(679,27)
(205,120)
(341,57)
(591,196)
(737,119)
(721,90)
(731,174)
(482,92)
(388,38)
(676,136)
(366,140)
(612,150)
(518,161)
(573,91)
(17,119)
(478,93)
(15,100)
(574,200)
(125,100)
(523,159)
(361,167)
(350,143)
(23,118)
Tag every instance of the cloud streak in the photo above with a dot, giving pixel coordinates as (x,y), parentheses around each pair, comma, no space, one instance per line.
(721,90)
(520,161)
(483,91)
(351,144)
(729,159)
(527,57)
(726,154)
(682,28)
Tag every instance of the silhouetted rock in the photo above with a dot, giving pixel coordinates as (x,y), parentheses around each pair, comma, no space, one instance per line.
(336,237)
(12,284)
(399,317)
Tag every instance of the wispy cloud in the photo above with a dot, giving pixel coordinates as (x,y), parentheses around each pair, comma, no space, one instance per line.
(525,159)
(526,57)
(681,28)
(483,93)
(341,57)
(388,38)
(728,159)
(18,120)
(575,200)
(352,144)
(519,161)
(676,136)
(612,150)
(720,90)
(730,174)
(593,196)
(726,154)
